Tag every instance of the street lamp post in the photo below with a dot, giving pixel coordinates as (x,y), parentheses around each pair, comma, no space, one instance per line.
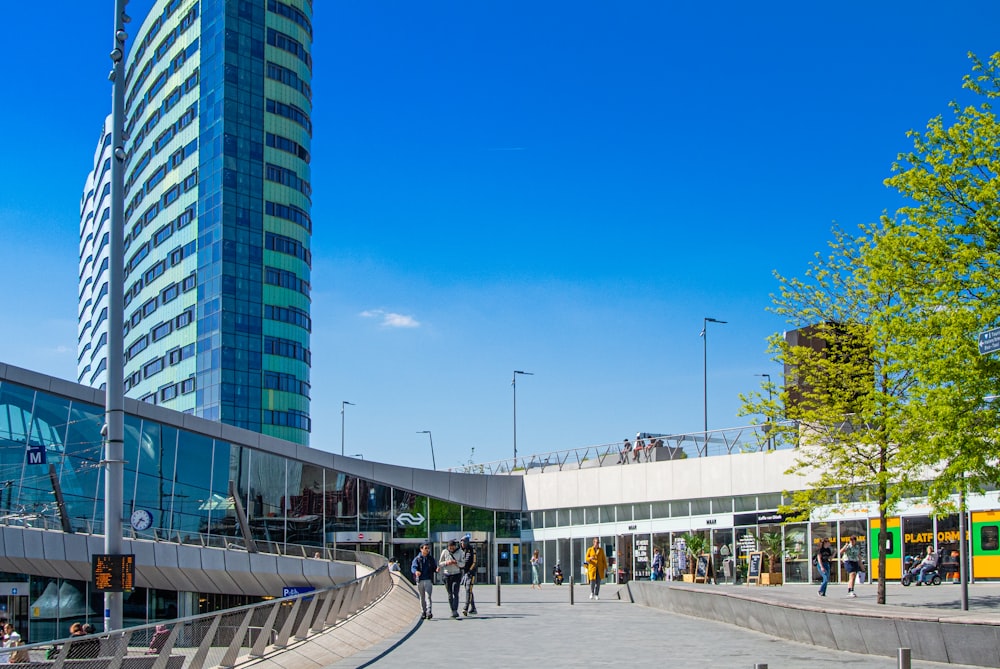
(513,385)
(704,336)
(429,436)
(114,416)
(342,405)
(768,377)
(360,456)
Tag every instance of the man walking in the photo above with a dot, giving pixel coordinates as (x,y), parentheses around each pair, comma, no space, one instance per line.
(423,568)
(452,575)
(597,565)
(467,563)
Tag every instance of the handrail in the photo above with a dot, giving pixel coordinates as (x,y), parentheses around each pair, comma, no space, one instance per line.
(727,441)
(227,638)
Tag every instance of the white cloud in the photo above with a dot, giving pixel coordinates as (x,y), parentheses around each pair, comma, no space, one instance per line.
(391,320)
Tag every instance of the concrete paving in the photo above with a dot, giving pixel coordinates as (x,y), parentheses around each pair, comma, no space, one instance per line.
(541,628)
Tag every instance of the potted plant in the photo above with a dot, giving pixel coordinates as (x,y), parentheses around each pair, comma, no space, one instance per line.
(696,544)
(773,546)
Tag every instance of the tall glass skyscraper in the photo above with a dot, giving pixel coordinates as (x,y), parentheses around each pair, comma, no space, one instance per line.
(217,223)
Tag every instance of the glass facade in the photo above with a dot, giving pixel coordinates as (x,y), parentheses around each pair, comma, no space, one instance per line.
(187,480)
(217,224)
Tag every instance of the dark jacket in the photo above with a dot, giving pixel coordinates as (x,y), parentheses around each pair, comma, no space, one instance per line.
(467,560)
(426,565)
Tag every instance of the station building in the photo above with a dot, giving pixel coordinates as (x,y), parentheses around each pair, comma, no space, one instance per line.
(209,487)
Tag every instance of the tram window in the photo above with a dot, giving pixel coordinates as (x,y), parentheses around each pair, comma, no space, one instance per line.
(989,536)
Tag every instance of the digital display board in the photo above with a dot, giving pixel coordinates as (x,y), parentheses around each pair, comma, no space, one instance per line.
(113,573)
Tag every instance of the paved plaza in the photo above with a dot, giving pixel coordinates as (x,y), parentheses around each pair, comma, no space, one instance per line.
(541,628)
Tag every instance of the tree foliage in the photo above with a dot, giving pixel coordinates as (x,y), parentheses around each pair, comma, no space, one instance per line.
(844,388)
(887,385)
(942,253)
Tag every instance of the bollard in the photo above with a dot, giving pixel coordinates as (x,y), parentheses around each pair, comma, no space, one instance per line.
(571,602)
(760,665)
(498,590)
(904,658)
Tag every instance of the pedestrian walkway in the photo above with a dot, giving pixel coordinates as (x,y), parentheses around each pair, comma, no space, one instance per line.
(928,600)
(541,629)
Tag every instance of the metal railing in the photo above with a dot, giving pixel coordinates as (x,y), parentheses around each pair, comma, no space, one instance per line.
(746,439)
(40,521)
(226,638)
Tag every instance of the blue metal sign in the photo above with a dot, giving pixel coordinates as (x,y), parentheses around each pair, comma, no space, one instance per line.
(36,454)
(989,341)
(298,590)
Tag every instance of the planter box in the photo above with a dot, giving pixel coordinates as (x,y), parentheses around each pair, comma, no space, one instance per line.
(770,578)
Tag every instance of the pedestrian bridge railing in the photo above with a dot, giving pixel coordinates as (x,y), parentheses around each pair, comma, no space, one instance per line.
(746,439)
(228,638)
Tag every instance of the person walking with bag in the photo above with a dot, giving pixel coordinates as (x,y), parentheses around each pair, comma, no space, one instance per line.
(597,565)
(452,575)
(822,558)
(851,553)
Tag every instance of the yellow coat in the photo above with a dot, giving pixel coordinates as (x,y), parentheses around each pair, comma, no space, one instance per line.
(597,563)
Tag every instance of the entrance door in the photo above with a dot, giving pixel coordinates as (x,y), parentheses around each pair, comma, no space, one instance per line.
(509,562)
(623,559)
(405,553)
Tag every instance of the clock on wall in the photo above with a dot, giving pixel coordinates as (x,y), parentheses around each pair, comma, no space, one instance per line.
(141,520)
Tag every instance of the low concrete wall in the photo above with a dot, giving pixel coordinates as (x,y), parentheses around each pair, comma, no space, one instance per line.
(939,639)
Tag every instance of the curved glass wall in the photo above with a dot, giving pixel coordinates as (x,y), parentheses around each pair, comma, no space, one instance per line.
(187,480)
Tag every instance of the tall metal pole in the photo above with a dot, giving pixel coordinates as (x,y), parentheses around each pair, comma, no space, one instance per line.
(704,335)
(429,436)
(963,572)
(114,447)
(342,405)
(513,384)
(770,396)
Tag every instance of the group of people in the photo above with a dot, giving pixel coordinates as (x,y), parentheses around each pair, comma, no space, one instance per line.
(457,563)
(850,553)
(634,453)
(12,639)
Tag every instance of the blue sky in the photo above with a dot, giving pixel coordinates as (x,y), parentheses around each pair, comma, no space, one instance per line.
(565,188)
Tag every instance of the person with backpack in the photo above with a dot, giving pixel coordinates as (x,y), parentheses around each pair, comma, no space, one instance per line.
(821,560)
(467,563)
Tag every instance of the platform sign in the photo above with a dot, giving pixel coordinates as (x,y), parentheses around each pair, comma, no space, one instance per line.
(113,573)
(297,590)
(989,341)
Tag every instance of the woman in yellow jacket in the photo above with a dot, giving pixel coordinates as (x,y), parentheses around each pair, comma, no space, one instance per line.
(597,565)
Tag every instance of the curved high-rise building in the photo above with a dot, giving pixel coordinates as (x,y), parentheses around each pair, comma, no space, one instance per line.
(95,247)
(217,216)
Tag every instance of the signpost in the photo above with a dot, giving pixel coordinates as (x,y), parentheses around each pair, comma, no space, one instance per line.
(989,341)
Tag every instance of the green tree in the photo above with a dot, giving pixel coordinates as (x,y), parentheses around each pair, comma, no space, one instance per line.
(845,389)
(941,252)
